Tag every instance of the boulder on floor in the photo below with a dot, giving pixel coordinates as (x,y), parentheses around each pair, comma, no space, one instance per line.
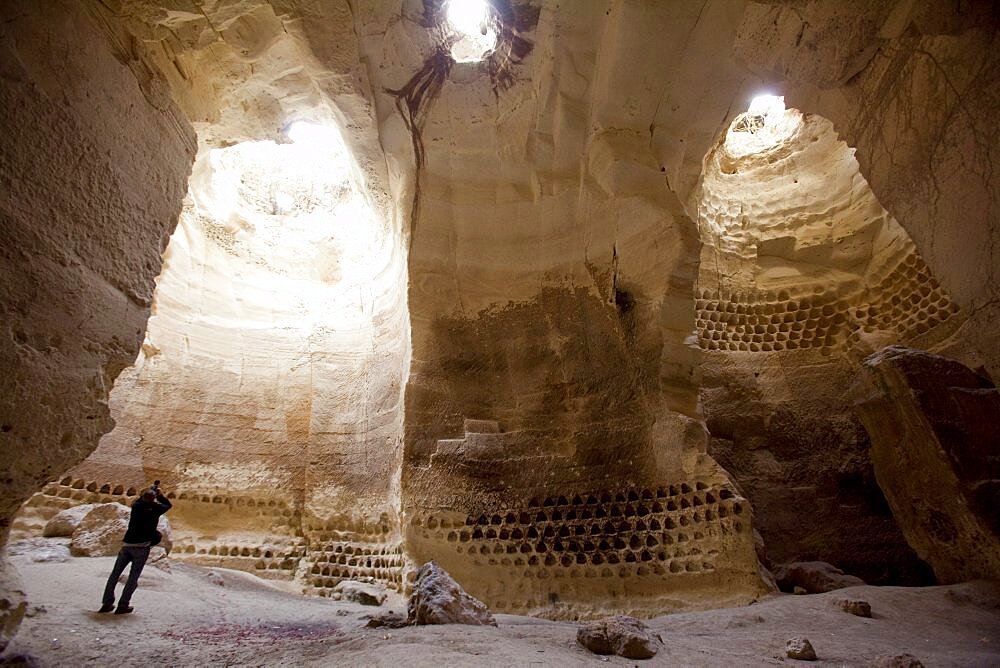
(438,599)
(389,620)
(935,438)
(360,592)
(898,661)
(622,635)
(815,577)
(855,607)
(101,531)
(801,649)
(65,522)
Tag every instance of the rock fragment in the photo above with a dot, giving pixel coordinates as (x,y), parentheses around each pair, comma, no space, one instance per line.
(622,635)
(359,592)
(65,522)
(100,532)
(40,550)
(935,434)
(854,606)
(389,620)
(801,649)
(438,599)
(815,577)
(898,661)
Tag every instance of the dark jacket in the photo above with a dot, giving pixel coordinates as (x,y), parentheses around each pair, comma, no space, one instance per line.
(142,522)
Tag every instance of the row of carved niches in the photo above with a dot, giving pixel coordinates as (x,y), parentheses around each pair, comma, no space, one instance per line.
(348,548)
(906,301)
(674,532)
(274,540)
(266,555)
(66,493)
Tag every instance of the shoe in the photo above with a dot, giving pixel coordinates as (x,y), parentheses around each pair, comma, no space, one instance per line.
(107,607)
(124,611)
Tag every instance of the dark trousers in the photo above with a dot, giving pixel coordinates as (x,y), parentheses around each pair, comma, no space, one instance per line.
(136,556)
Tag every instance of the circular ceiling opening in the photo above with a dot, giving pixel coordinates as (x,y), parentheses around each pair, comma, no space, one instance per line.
(764,125)
(472,24)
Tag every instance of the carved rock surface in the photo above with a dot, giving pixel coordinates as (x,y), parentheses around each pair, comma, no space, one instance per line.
(815,577)
(856,269)
(65,522)
(622,635)
(935,433)
(100,533)
(438,599)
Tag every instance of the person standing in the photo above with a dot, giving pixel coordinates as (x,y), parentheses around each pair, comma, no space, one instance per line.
(139,539)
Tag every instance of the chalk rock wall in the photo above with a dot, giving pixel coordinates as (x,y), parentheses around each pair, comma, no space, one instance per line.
(934,438)
(539,214)
(267,395)
(803,274)
(93,183)
(901,83)
(554,450)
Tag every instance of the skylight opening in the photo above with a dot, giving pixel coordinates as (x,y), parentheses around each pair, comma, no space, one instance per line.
(297,210)
(472,23)
(765,124)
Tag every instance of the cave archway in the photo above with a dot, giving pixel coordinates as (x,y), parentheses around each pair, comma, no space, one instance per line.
(803,274)
(266,394)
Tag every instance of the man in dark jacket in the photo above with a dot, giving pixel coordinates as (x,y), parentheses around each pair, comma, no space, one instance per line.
(139,539)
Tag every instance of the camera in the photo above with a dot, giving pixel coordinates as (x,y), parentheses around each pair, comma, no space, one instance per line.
(156,486)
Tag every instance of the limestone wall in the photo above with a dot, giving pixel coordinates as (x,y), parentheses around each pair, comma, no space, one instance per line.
(267,395)
(539,255)
(803,274)
(94,168)
(550,293)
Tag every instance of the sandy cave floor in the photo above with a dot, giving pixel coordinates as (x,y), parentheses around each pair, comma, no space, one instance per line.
(183,619)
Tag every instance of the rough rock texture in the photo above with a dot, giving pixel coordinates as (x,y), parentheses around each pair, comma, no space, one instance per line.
(553,381)
(815,577)
(267,393)
(854,607)
(100,532)
(12,602)
(621,635)
(66,521)
(802,269)
(389,620)
(438,599)
(40,549)
(93,170)
(93,180)
(359,592)
(935,438)
(897,661)
(800,648)
(531,298)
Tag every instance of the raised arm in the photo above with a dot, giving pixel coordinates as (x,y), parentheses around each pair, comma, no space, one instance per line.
(163,502)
